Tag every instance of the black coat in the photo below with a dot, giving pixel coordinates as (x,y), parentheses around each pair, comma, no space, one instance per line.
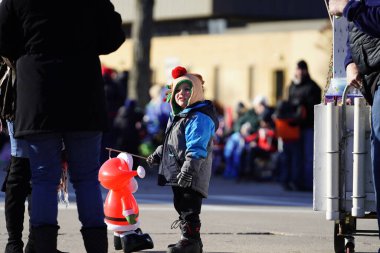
(365,53)
(57,46)
(306,94)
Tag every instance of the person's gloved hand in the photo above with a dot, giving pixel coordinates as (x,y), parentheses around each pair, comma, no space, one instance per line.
(152,160)
(184,179)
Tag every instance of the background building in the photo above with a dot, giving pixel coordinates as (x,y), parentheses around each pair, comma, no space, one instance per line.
(242,48)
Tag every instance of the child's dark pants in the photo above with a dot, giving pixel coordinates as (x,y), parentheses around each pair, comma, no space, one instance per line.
(187,203)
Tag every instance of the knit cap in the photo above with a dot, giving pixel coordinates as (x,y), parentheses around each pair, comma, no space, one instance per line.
(180,76)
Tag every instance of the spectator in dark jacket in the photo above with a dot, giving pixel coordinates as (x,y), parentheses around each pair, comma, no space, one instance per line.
(305,93)
(286,118)
(127,126)
(60,101)
(363,66)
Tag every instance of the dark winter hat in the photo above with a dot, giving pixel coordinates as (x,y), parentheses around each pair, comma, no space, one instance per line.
(302,65)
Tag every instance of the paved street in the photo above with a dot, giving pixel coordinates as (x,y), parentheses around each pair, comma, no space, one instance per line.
(236,218)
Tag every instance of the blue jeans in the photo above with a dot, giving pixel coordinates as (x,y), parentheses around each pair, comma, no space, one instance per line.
(232,153)
(375,148)
(19,147)
(83,151)
(290,165)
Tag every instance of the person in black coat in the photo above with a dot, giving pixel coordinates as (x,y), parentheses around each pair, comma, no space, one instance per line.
(61,101)
(128,126)
(304,93)
(362,64)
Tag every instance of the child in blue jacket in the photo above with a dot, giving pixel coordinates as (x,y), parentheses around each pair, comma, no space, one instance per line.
(185,157)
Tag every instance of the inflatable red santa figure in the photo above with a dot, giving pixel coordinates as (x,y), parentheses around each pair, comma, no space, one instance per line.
(120,208)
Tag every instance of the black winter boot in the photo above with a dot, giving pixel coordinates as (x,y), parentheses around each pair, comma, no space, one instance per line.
(95,239)
(136,241)
(30,246)
(45,238)
(190,240)
(17,188)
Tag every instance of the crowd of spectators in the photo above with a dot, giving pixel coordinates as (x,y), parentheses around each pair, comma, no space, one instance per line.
(249,144)
(255,142)
(244,148)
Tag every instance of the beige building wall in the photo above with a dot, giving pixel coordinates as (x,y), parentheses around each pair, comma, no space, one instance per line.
(166,10)
(236,67)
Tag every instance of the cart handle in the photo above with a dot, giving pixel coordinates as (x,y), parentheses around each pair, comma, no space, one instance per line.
(344,98)
(344,105)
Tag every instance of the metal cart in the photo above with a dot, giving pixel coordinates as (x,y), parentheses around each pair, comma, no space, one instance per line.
(343,185)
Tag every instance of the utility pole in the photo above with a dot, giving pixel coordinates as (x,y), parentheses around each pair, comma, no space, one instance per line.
(140,74)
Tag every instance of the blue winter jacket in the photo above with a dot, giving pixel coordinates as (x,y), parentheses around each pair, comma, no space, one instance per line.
(188,146)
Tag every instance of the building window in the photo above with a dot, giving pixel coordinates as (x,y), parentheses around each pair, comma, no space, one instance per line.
(251,83)
(279,77)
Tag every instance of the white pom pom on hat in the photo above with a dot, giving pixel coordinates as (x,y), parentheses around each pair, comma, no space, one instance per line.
(127,158)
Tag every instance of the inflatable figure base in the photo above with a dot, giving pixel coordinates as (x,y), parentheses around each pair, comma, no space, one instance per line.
(117,240)
(133,242)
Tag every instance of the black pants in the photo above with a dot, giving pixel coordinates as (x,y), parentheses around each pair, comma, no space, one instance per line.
(187,203)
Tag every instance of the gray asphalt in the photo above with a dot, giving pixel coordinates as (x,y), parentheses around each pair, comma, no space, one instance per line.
(237,217)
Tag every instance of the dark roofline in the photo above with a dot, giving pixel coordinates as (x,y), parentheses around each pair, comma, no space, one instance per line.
(270,10)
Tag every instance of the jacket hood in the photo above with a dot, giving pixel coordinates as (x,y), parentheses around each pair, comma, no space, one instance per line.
(196,91)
